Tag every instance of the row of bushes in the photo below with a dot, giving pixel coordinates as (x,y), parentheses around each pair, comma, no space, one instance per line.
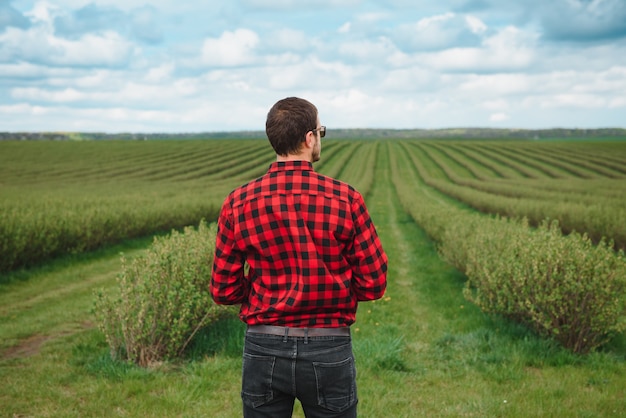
(563,287)
(602,218)
(597,220)
(162,298)
(30,234)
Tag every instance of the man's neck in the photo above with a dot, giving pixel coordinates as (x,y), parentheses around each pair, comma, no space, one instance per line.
(293,157)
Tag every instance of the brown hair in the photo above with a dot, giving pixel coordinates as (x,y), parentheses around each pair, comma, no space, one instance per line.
(288,122)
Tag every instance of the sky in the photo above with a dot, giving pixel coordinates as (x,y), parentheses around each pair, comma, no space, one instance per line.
(213,66)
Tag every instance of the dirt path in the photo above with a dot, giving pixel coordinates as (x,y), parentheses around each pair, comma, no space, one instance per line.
(52,304)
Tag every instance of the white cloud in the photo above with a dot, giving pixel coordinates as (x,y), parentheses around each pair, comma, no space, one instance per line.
(230,49)
(20,109)
(43,12)
(92,79)
(617,102)
(413,79)
(354,105)
(368,50)
(583,101)
(371,17)
(496,84)
(161,73)
(496,104)
(439,32)
(286,39)
(29,71)
(434,22)
(499,117)
(475,24)
(310,75)
(298,4)
(108,49)
(40,45)
(508,50)
(35,94)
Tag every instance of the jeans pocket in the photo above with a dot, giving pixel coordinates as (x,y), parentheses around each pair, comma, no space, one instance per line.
(256,386)
(336,384)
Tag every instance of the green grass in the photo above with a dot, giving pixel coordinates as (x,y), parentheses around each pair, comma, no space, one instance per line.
(422,350)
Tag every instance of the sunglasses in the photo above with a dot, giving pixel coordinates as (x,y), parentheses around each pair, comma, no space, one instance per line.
(322,130)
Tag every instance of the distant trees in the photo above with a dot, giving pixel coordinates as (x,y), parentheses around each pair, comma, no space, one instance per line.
(451,133)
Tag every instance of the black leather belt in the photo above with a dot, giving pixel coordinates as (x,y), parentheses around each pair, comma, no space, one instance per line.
(299,332)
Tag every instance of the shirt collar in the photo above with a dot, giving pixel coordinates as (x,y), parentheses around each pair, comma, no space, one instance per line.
(299,165)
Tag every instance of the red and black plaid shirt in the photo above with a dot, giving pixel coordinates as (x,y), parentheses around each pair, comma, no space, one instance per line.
(311,246)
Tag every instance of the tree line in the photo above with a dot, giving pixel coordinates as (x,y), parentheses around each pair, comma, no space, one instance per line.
(452,133)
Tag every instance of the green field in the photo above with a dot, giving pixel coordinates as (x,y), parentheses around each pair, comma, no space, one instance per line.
(67,209)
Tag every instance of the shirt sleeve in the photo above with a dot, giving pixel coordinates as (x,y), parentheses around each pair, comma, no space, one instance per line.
(228,283)
(367,257)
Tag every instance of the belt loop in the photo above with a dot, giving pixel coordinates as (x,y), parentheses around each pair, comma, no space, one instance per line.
(286,334)
(306,335)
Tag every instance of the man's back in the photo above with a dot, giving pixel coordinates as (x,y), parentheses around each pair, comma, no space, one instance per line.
(309,242)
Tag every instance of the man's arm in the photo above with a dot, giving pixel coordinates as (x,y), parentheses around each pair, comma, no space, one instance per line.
(367,257)
(228,284)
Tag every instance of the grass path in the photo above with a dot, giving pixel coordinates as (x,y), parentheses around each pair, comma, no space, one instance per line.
(423,305)
(57,299)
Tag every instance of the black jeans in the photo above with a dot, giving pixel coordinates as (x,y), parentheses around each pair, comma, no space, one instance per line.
(319,371)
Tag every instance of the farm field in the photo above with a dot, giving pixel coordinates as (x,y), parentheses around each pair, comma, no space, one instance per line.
(68,209)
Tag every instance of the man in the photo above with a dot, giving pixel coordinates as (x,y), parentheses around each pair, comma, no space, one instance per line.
(297,250)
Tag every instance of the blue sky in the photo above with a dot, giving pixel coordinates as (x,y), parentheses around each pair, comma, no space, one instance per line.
(198,66)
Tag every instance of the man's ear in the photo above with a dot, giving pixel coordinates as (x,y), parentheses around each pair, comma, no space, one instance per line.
(310,139)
